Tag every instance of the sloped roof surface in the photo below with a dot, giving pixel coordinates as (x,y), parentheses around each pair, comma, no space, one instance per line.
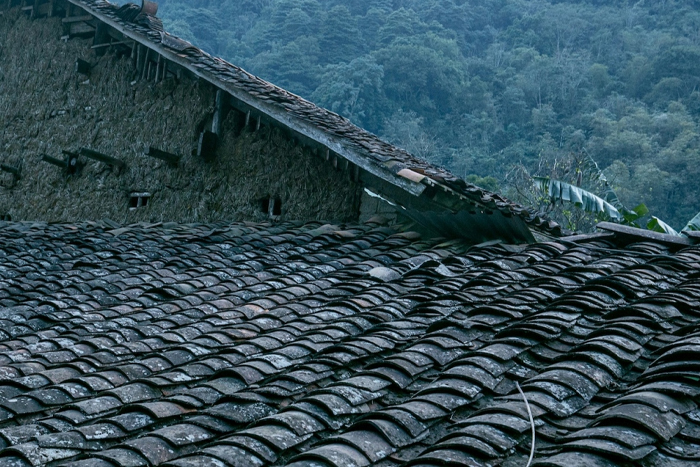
(268,96)
(310,345)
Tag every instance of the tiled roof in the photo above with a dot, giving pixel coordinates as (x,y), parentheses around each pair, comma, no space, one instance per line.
(338,133)
(310,345)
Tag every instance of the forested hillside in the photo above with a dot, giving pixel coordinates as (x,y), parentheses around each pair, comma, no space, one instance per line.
(491,88)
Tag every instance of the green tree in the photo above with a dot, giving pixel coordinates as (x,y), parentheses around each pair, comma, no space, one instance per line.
(354,90)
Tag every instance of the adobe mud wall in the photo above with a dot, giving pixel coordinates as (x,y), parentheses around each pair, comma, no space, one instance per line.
(46,107)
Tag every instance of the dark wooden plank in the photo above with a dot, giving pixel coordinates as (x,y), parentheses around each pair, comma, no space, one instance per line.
(105,159)
(77,19)
(57,162)
(587,237)
(172,159)
(631,234)
(15,171)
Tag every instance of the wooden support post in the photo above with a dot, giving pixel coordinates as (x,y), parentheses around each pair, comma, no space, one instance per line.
(257,125)
(247,119)
(139,53)
(98,156)
(28,9)
(165,69)
(218,113)
(160,64)
(355,173)
(101,37)
(146,64)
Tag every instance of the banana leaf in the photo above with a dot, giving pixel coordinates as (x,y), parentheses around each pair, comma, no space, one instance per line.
(631,217)
(657,225)
(562,191)
(693,225)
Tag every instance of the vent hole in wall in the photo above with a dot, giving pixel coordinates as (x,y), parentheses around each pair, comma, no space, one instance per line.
(265,205)
(277,207)
(271,206)
(138,200)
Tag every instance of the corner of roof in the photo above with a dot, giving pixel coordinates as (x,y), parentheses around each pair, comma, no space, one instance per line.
(428,194)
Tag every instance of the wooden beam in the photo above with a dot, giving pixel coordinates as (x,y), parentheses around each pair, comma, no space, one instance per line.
(111,44)
(52,160)
(633,235)
(139,58)
(160,62)
(170,158)
(354,173)
(218,113)
(77,19)
(273,207)
(297,126)
(15,171)
(144,62)
(105,159)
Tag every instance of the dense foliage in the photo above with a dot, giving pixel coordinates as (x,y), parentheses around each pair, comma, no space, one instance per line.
(483,86)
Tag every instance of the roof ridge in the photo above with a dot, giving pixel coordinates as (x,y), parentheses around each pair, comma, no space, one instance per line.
(389,163)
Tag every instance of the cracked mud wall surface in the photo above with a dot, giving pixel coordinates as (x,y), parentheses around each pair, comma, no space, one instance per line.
(46,107)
